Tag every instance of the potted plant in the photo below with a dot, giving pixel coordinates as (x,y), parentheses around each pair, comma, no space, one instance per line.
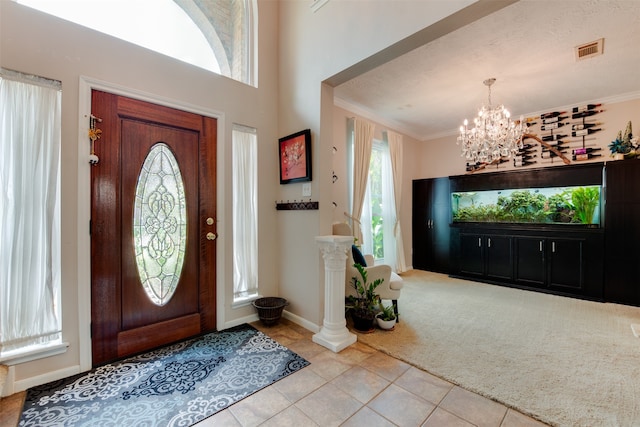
(386,318)
(363,307)
(623,146)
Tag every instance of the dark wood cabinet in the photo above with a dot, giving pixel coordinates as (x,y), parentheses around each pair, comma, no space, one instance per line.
(566,264)
(622,232)
(430,224)
(556,260)
(553,263)
(530,264)
(489,256)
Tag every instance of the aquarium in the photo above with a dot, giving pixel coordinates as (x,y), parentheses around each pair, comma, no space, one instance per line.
(553,205)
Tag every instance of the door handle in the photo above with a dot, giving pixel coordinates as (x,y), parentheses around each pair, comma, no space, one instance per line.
(211,236)
(210,221)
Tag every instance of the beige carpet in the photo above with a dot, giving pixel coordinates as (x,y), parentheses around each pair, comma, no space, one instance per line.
(564,361)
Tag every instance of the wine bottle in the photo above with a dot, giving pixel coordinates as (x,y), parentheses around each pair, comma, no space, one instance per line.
(552,126)
(585,125)
(554,119)
(553,137)
(522,163)
(523,158)
(529,124)
(552,114)
(585,114)
(584,132)
(586,150)
(587,107)
(550,154)
(555,147)
(585,156)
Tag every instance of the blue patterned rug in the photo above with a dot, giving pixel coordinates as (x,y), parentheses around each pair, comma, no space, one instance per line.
(178,385)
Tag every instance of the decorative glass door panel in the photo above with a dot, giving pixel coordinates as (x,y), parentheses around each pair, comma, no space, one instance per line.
(160,224)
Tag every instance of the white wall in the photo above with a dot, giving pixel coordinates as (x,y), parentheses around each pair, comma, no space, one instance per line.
(39,44)
(313,48)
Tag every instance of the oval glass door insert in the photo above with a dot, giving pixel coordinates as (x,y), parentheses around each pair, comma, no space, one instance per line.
(160,224)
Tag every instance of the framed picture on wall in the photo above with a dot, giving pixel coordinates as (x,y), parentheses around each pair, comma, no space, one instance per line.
(295,157)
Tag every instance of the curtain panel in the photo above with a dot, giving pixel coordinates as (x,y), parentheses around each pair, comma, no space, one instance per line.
(245,213)
(30,137)
(395,151)
(363,132)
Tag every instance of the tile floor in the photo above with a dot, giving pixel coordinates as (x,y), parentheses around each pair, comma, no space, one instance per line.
(359,386)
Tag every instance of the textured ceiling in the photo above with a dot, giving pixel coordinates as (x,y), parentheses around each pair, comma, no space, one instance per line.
(527,46)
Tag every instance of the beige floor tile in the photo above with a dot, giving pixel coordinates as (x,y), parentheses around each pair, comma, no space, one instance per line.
(306,348)
(361,383)
(442,418)
(299,384)
(221,419)
(259,407)
(356,353)
(385,366)
(328,366)
(367,417)
(401,407)
(516,419)
(425,385)
(329,406)
(290,417)
(474,408)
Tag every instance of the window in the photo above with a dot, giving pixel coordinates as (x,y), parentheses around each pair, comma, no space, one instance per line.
(218,39)
(29,212)
(245,213)
(377,210)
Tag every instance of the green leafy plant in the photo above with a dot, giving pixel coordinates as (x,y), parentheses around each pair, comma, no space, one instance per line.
(367,300)
(386,312)
(584,201)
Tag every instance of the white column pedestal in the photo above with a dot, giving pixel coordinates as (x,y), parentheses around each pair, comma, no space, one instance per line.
(334,333)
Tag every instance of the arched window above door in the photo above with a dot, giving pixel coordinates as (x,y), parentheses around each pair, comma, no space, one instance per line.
(217,36)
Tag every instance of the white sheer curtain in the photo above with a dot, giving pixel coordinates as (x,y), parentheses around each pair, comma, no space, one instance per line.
(362,142)
(245,213)
(384,195)
(29,211)
(395,151)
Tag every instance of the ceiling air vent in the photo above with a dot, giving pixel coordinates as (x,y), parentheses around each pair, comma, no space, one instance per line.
(589,50)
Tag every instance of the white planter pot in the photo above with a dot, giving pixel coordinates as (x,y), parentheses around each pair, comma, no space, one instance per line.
(386,324)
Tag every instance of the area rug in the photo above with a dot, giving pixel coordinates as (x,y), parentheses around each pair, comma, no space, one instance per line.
(564,361)
(178,385)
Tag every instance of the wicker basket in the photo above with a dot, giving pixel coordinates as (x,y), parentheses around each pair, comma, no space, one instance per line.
(270,309)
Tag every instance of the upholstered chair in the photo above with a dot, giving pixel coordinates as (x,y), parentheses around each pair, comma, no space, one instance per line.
(391,286)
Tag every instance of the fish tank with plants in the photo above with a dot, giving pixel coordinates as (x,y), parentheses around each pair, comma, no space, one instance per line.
(553,205)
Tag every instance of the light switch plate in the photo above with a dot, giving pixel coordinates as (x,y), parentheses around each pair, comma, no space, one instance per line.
(306,190)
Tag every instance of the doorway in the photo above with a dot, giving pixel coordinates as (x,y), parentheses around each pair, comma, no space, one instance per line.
(153,226)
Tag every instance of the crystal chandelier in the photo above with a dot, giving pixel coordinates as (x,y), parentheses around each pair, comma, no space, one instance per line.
(494,136)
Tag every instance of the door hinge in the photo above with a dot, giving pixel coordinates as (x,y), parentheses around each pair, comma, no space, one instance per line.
(90,224)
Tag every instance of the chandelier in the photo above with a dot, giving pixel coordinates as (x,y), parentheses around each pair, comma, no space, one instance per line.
(494,136)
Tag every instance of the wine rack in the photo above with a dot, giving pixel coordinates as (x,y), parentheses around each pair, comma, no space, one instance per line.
(566,135)
(525,156)
(570,132)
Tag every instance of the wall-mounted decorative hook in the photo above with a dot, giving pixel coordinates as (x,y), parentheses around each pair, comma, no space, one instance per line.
(94,134)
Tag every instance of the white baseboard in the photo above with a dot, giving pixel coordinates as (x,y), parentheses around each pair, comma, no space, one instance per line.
(301,321)
(12,386)
(240,321)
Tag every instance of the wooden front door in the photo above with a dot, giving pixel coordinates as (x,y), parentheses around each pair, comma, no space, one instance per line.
(153,227)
